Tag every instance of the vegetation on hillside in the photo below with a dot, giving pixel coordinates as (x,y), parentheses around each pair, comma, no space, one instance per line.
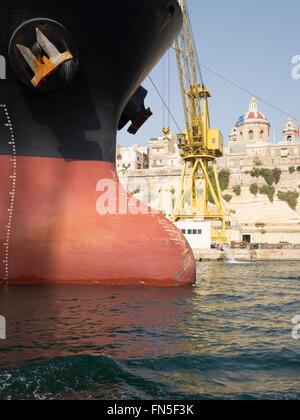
(257,162)
(292,169)
(260,225)
(267,174)
(271,176)
(136,191)
(277,175)
(227,197)
(254,188)
(269,191)
(237,189)
(289,197)
(224,179)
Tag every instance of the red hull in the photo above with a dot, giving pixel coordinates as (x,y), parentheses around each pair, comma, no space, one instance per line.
(53,232)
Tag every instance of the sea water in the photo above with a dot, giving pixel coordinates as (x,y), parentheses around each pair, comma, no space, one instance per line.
(229,337)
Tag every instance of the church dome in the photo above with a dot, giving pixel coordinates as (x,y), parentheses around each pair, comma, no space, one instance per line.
(251,127)
(253,113)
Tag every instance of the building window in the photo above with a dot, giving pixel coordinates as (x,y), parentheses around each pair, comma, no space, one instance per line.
(246,238)
(289,139)
(199,231)
(250,135)
(195,232)
(183,231)
(261,134)
(119,157)
(189,232)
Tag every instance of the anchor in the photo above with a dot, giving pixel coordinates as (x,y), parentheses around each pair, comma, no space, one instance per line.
(44,64)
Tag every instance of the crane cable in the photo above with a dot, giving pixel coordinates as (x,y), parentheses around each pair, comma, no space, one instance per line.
(166,89)
(226,79)
(249,92)
(164,102)
(169,85)
(163,81)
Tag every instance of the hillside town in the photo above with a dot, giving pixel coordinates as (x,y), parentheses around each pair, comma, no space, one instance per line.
(263,178)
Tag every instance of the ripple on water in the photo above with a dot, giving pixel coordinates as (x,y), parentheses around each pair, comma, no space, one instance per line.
(227,337)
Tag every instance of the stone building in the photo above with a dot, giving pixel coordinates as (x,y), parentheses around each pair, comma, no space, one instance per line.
(164,152)
(132,158)
(250,128)
(250,145)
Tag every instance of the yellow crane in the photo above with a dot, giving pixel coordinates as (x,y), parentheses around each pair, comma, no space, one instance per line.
(200,144)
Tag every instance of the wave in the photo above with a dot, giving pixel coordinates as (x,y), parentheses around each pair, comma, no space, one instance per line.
(188,377)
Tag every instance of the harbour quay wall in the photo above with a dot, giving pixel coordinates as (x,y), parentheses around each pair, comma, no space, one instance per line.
(249,254)
(266,254)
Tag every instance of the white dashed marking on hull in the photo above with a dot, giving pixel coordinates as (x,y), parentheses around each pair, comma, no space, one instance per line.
(12,188)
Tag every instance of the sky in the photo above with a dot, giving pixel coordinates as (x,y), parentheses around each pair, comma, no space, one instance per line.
(250,43)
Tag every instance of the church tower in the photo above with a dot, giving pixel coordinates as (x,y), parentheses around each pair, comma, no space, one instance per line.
(290,132)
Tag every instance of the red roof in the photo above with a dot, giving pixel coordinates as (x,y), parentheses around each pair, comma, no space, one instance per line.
(254,115)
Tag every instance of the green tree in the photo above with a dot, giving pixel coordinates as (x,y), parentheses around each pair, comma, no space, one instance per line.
(227,197)
(254,189)
(292,169)
(255,173)
(289,197)
(224,179)
(213,183)
(269,191)
(257,162)
(237,190)
(276,175)
(267,174)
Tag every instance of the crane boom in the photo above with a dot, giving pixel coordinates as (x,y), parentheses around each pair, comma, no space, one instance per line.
(200,145)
